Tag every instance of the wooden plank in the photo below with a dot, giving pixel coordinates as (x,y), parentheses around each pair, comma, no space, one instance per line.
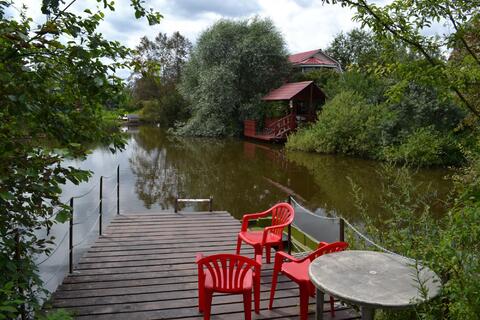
(124,283)
(192,312)
(159,252)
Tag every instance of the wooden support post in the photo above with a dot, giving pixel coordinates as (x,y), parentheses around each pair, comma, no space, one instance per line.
(118,189)
(70,239)
(100,207)
(342,230)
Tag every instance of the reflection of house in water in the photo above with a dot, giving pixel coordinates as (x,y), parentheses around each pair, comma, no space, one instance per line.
(303,98)
(275,156)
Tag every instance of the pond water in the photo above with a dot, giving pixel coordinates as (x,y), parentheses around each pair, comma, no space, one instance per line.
(242,176)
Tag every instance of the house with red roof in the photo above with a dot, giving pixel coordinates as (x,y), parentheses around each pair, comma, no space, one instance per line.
(313,60)
(301,100)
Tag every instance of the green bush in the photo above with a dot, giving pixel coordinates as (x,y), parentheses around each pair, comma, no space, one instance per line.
(425,146)
(166,110)
(347,124)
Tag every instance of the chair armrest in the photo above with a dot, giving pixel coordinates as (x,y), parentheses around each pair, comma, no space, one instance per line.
(251,216)
(285,256)
(321,244)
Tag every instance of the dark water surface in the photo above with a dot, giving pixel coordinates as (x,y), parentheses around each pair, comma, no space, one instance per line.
(241,176)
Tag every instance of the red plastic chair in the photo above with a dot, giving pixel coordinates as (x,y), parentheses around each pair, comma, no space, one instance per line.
(282,215)
(228,273)
(297,270)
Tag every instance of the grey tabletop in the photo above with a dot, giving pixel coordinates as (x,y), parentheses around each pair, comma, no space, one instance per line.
(373,279)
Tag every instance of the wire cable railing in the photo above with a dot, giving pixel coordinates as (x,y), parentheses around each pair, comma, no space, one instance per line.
(342,222)
(98,209)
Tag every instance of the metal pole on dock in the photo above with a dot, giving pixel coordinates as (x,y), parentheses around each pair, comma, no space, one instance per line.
(342,230)
(210,208)
(100,207)
(70,240)
(118,189)
(175,208)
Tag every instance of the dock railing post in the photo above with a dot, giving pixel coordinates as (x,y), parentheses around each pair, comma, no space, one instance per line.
(175,209)
(342,230)
(118,189)
(100,207)
(210,205)
(289,228)
(70,240)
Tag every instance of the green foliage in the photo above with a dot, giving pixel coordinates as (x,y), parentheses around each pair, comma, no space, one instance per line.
(425,146)
(214,113)
(421,106)
(370,86)
(55,85)
(448,245)
(166,111)
(58,314)
(159,65)
(408,22)
(347,124)
(354,48)
(232,64)
(326,79)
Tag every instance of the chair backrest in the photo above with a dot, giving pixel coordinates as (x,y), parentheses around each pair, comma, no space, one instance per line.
(228,271)
(282,213)
(328,248)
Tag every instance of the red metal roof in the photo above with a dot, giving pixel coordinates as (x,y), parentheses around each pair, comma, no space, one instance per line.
(308,58)
(317,61)
(287,91)
(299,57)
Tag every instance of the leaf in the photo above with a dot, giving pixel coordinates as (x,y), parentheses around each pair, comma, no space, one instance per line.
(8,309)
(63,216)
(7,196)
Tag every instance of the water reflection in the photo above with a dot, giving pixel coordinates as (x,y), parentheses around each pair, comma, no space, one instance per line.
(244,176)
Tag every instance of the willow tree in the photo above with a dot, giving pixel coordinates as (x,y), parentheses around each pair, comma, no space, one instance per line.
(233,63)
(54,81)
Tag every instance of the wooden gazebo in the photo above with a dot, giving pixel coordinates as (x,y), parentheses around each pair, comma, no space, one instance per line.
(302,97)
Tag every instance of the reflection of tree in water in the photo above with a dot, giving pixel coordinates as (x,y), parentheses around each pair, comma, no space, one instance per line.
(218,168)
(156,180)
(239,175)
(197,168)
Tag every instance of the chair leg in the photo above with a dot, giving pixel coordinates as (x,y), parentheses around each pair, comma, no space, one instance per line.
(268,249)
(258,251)
(201,299)
(256,296)
(304,296)
(239,244)
(208,305)
(247,304)
(332,306)
(276,271)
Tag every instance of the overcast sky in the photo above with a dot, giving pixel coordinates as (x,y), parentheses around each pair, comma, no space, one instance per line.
(305,24)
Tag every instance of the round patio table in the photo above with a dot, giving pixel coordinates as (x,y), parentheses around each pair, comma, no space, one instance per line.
(371,280)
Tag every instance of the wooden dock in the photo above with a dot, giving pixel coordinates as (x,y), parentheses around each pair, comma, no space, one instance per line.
(143,268)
